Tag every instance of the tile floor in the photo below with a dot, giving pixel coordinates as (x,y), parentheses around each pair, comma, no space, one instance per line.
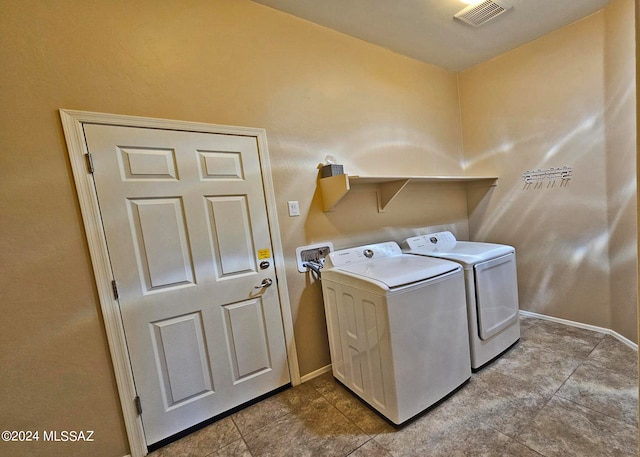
(562,391)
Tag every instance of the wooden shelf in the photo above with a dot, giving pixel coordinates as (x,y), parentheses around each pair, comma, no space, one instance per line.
(334,188)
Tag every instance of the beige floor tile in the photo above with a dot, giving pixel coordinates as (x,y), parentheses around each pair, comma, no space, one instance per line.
(527,322)
(203,442)
(352,407)
(565,429)
(370,449)
(236,449)
(499,404)
(564,339)
(515,449)
(317,429)
(531,368)
(438,434)
(615,355)
(604,390)
(266,411)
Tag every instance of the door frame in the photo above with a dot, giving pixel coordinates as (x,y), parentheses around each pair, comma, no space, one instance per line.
(72,124)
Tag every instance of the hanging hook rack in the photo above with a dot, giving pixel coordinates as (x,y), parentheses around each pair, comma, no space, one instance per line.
(536,178)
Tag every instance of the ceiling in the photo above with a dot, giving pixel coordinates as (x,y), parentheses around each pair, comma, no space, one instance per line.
(426,30)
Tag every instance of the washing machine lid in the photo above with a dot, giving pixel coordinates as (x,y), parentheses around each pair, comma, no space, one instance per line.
(445,245)
(385,263)
(401,270)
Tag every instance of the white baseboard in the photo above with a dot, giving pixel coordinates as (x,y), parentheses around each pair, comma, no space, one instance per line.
(315,374)
(594,328)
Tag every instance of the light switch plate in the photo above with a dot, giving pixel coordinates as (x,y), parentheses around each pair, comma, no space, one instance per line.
(294,208)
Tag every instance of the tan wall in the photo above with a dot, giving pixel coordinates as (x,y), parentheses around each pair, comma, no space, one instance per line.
(620,124)
(637,79)
(220,61)
(564,99)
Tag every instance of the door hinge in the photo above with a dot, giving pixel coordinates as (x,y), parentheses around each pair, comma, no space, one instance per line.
(89,162)
(138,403)
(114,286)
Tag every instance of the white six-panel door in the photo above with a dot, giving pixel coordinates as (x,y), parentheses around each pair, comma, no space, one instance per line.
(188,237)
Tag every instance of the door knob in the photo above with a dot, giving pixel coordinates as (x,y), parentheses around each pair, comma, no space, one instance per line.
(266,282)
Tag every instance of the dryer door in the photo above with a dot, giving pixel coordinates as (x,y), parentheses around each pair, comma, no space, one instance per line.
(496,294)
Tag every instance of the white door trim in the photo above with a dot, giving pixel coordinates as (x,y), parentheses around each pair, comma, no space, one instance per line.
(72,125)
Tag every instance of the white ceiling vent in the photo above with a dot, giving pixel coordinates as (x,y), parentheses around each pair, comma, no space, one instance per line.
(482,13)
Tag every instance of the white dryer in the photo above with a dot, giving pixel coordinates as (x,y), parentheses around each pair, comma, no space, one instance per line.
(491,289)
(397,327)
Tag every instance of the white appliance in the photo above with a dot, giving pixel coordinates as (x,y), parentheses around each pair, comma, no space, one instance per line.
(397,327)
(491,288)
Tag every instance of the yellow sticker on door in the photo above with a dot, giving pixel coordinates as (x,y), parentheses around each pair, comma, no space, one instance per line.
(264,254)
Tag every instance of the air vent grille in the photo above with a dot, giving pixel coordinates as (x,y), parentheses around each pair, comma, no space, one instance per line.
(481,13)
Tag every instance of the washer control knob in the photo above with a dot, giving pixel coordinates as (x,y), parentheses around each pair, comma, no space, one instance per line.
(433,239)
(368,253)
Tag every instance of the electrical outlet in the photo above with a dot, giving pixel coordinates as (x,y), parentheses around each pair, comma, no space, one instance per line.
(313,253)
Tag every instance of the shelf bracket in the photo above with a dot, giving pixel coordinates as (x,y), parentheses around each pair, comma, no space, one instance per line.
(333,189)
(389,191)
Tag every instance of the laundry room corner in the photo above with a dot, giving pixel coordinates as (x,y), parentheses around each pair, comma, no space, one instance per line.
(564,100)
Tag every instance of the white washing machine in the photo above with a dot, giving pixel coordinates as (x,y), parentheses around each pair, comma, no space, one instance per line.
(491,288)
(397,327)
